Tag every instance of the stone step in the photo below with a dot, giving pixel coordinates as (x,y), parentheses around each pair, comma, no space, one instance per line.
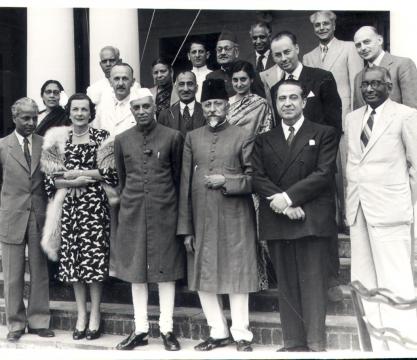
(120,292)
(190,323)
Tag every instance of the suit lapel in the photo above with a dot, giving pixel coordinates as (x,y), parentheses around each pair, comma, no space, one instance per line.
(177,115)
(16,151)
(278,144)
(36,152)
(380,126)
(357,129)
(386,60)
(198,115)
(302,137)
(333,53)
(316,57)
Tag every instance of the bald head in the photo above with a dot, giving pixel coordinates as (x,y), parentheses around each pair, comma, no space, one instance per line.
(368,43)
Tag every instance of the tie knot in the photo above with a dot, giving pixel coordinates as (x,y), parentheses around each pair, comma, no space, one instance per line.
(291,77)
(25,140)
(373,112)
(291,129)
(325,48)
(261,57)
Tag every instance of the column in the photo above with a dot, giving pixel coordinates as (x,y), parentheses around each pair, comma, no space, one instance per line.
(115,27)
(402,34)
(50,50)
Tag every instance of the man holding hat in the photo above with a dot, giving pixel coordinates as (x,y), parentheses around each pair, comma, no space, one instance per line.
(148,162)
(227,52)
(217,218)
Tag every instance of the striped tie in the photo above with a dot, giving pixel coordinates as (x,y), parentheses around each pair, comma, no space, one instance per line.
(367,130)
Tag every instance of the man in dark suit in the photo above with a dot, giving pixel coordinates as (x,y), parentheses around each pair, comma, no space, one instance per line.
(261,58)
(294,166)
(186,114)
(227,52)
(22,216)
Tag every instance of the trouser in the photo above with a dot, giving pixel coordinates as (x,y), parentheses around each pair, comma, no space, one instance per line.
(239,309)
(13,257)
(381,258)
(166,306)
(301,269)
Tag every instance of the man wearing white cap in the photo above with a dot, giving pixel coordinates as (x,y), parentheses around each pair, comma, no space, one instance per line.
(148,162)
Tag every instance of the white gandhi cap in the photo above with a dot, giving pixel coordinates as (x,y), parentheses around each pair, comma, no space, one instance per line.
(140,94)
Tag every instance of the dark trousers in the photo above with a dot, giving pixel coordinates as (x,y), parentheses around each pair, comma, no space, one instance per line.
(302,272)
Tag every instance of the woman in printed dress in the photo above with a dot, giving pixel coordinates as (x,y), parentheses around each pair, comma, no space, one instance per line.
(83,254)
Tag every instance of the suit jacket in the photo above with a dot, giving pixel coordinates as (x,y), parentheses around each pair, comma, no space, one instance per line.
(403,73)
(174,95)
(305,171)
(382,178)
(269,61)
(21,189)
(172,117)
(343,61)
(269,78)
(323,102)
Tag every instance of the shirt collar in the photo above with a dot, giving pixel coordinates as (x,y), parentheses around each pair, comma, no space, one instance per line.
(121,102)
(190,106)
(20,138)
(377,61)
(199,69)
(296,73)
(328,44)
(377,110)
(296,126)
(266,54)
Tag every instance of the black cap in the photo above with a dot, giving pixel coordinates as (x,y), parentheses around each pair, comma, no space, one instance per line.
(214,89)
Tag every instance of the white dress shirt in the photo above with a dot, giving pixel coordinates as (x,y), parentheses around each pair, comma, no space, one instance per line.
(96,90)
(264,60)
(296,73)
(378,112)
(378,59)
(190,107)
(21,143)
(200,74)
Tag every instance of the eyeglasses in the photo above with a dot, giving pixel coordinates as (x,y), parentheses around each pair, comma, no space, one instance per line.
(374,84)
(227,49)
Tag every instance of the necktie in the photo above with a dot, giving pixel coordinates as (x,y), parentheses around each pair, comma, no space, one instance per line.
(26,150)
(187,118)
(367,130)
(260,65)
(290,137)
(324,50)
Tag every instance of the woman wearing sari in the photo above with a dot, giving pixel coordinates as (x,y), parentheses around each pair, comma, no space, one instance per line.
(54,114)
(252,112)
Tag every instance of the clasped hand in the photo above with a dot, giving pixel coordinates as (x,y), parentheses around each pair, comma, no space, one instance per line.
(214,181)
(79,185)
(189,242)
(279,204)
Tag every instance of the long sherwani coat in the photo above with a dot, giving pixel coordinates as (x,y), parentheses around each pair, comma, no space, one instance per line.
(222,220)
(148,165)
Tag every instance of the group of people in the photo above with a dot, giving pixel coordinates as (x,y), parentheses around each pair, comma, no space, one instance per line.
(195,178)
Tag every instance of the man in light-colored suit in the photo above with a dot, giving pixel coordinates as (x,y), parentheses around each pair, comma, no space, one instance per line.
(270,78)
(402,70)
(381,192)
(22,216)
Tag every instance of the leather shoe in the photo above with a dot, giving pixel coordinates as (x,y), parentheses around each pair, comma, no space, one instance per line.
(133,340)
(14,336)
(170,341)
(211,344)
(93,334)
(43,332)
(294,349)
(78,334)
(244,345)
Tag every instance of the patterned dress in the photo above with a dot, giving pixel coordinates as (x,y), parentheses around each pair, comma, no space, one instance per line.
(85,220)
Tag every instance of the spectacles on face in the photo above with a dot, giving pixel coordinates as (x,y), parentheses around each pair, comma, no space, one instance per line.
(375,84)
(52,92)
(227,49)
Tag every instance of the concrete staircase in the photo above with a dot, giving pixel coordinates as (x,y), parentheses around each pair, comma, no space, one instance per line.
(189,321)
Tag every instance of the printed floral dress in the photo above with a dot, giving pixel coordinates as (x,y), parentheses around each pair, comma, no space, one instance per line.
(85,220)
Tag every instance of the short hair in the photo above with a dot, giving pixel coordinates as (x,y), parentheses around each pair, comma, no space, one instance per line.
(261,24)
(369,27)
(21,102)
(285,33)
(81,96)
(199,42)
(122,64)
(162,61)
(296,83)
(330,14)
(47,82)
(112,48)
(185,72)
(242,65)
(386,74)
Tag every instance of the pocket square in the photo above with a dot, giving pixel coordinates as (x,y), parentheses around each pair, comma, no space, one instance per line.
(310,94)
(311,142)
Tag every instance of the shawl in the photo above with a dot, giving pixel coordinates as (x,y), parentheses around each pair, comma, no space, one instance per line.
(57,117)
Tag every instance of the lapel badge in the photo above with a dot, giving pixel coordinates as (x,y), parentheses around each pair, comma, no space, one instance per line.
(311,142)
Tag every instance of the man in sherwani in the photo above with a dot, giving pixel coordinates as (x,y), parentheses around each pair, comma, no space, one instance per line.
(403,71)
(381,193)
(217,218)
(294,167)
(22,216)
(186,114)
(148,162)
